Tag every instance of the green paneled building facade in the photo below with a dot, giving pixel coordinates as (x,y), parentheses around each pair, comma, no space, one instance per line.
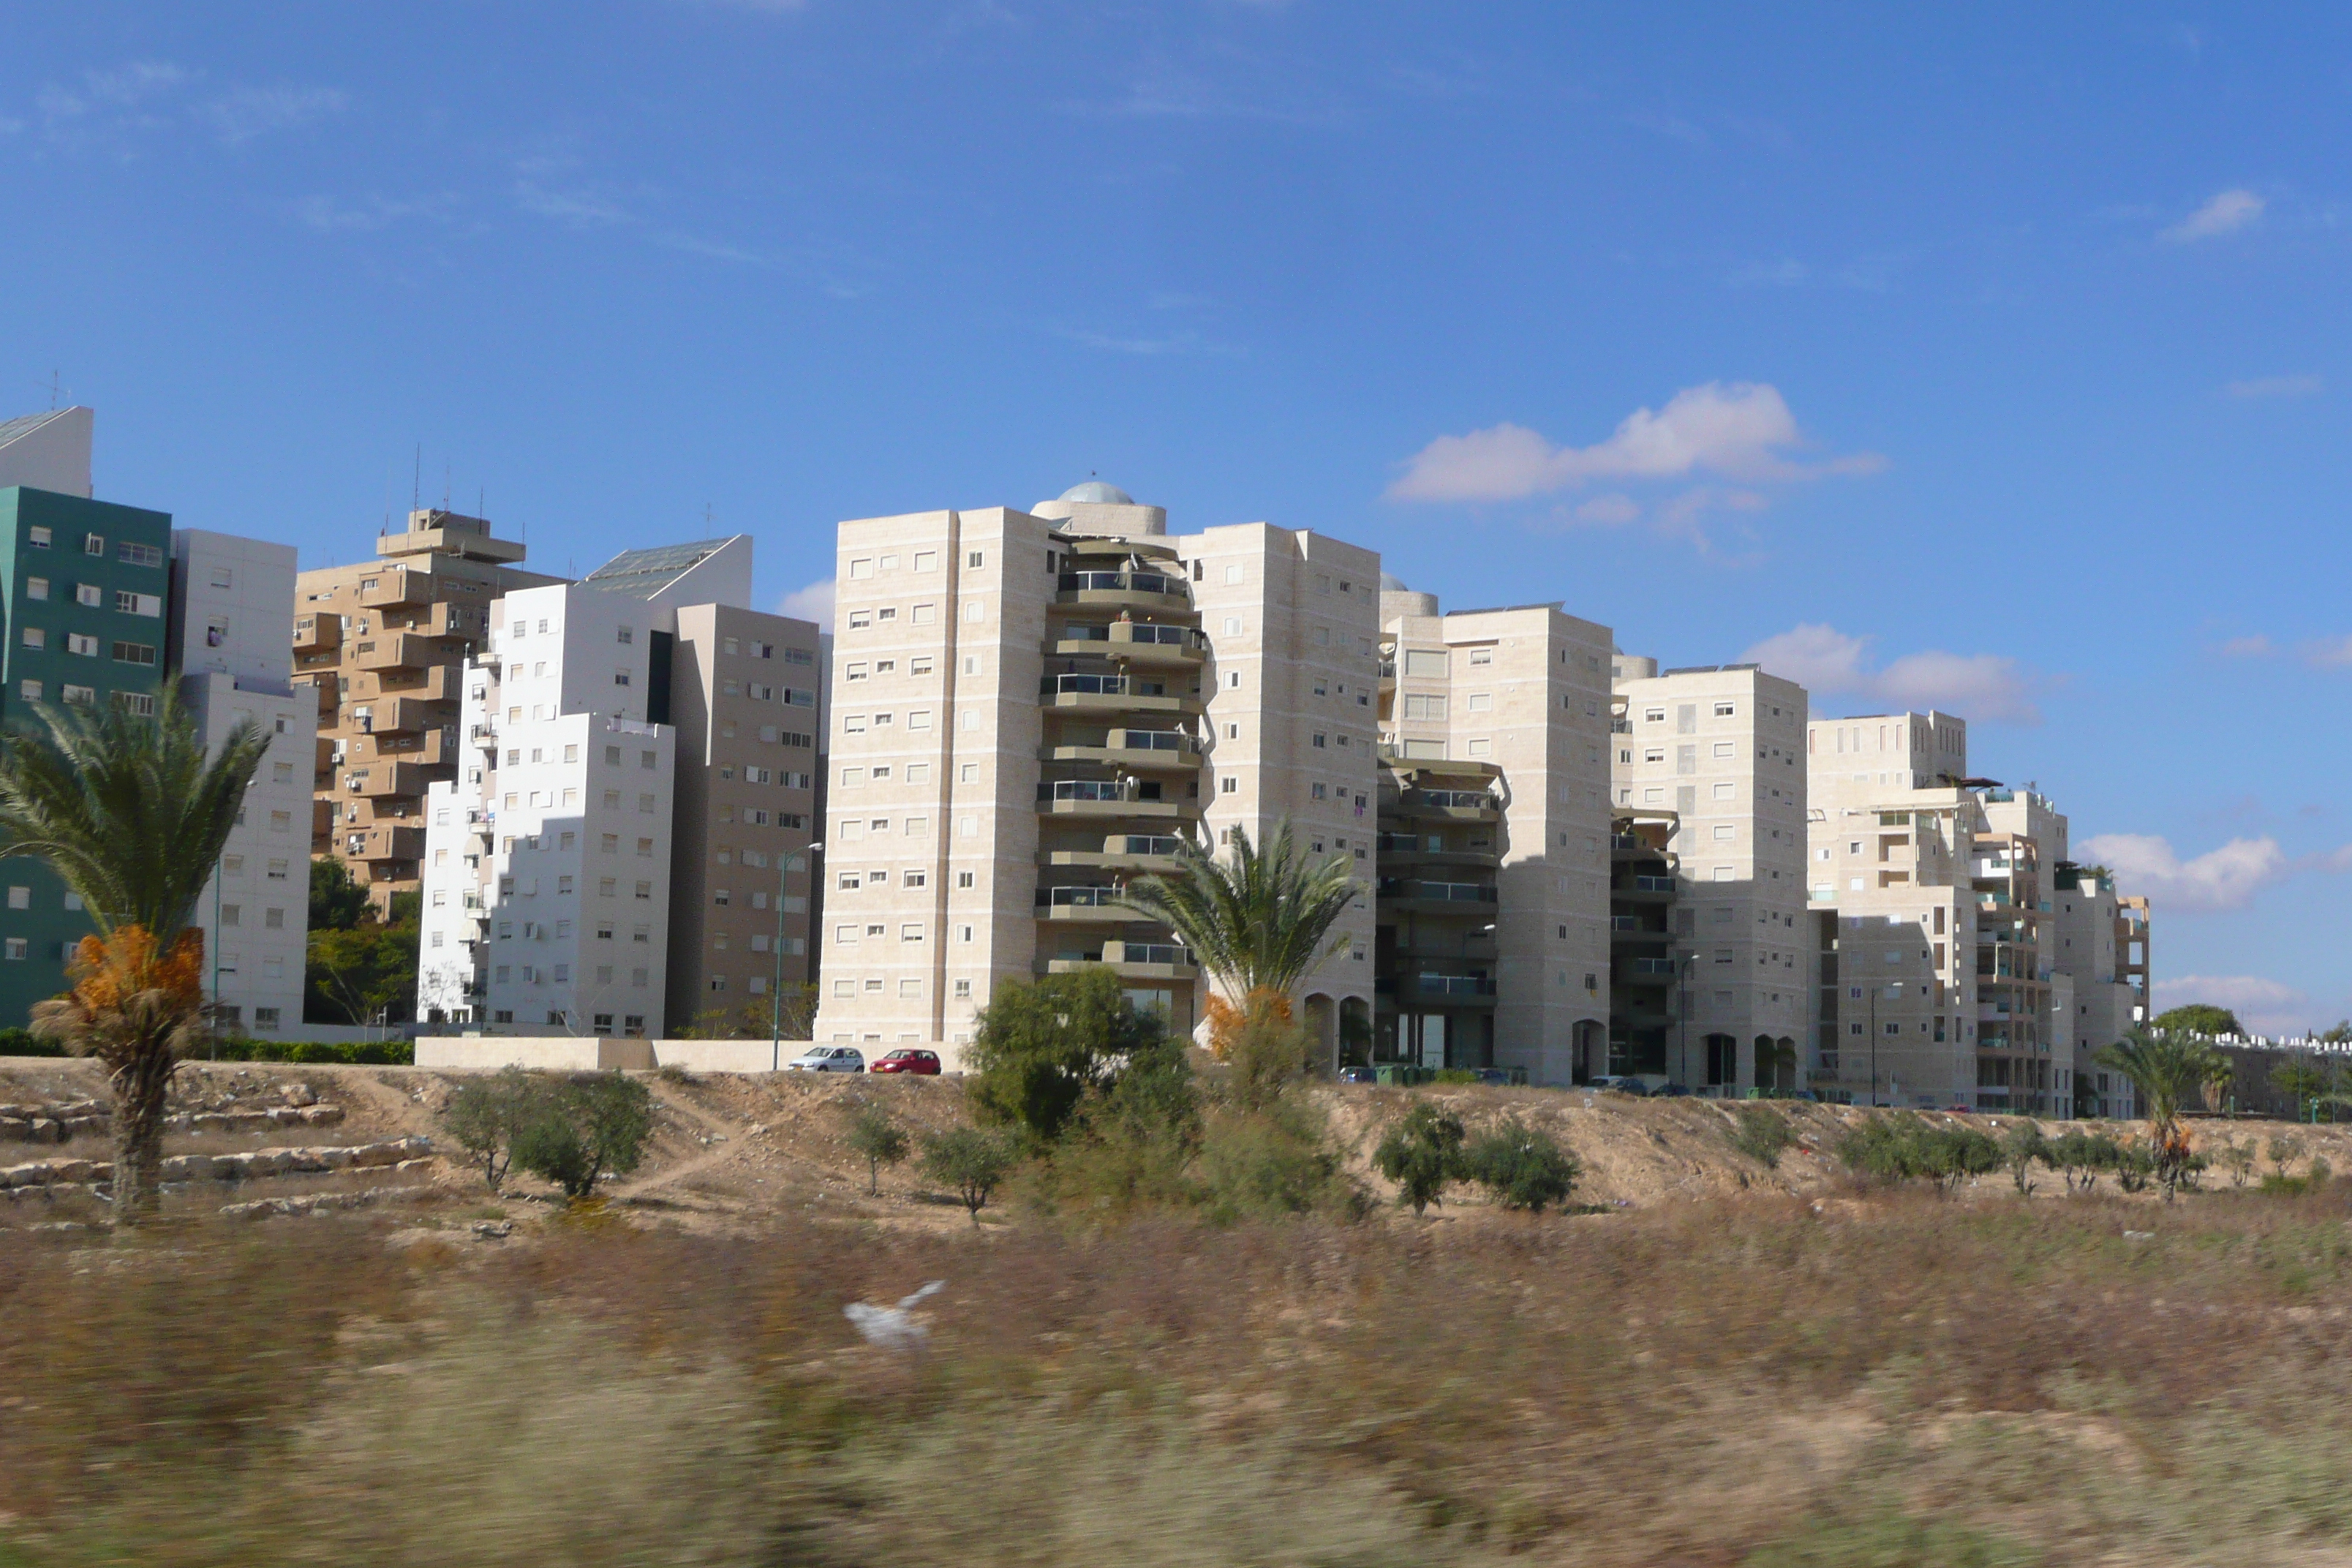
(83,591)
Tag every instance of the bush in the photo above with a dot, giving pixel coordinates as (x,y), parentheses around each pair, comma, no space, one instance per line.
(21,1042)
(973,1162)
(1038,1050)
(876,1136)
(1903,1148)
(2020,1149)
(588,1126)
(1761,1133)
(1272,1163)
(488,1115)
(1524,1167)
(346,1053)
(1421,1154)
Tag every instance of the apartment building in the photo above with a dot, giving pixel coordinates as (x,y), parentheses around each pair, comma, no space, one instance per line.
(1891,843)
(103,604)
(2101,943)
(1717,751)
(629,839)
(1494,940)
(1031,707)
(381,645)
(232,605)
(2025,999)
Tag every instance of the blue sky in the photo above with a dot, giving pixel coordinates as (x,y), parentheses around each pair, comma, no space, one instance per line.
(1993,358)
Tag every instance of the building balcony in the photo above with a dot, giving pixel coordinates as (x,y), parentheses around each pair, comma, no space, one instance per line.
(1629,931)
(1107,798)
(1134,960)
(318,634)
(1141,852)
(382,843)
(434,748)
(1449,942)
(386,779)
(396,650)
(1444,805)
(1149,590)
(1109,694)
(1642,890)
(1427,990)
(1418,850)
(1415,896)
(1139,750)
(394,585)
(436,683)
(473,544)
(1647,970)
(1095,905)
(323,690)
(1136,642)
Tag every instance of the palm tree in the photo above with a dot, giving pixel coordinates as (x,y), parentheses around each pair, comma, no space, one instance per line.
(131,815)
(1256,919)
(2167,1066)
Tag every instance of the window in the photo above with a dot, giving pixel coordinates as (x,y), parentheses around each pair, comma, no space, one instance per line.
(140,704)
(1425,661)
(20,898)
(1482,702)
(93,544)
(33,637)
(910,933)
(1424,707)
(963,878)
(37,537)
(134,653)
(17,944)
(132,554)
(1726,709)
(37,587)
(1482,656)
(273,920)
(132,604)
(1229,786)
(629,634)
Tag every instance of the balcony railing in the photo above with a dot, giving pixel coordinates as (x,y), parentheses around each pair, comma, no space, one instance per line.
(1652,884)
(1132,631)
(1154,740)
(1087,789)
(1650,966)
(1099,686)
(1122,582)
(1154,844)
(1436,892)
(1452,986)
(1454,799)
(1154,952)
(1079,898)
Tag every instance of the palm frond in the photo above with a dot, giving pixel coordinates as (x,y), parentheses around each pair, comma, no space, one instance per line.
(127,809)
(1257,919)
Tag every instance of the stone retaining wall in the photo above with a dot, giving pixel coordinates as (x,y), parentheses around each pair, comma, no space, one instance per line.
(32,1178)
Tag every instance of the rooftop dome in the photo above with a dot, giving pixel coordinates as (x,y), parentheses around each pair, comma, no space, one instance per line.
(1392,584)
(1098,493)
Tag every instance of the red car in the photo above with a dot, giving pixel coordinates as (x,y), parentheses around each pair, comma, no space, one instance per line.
(907,1059)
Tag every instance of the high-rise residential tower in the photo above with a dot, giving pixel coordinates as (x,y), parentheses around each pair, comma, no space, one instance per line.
(382,644)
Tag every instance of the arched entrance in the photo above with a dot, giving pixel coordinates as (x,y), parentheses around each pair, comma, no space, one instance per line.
(1320,1017)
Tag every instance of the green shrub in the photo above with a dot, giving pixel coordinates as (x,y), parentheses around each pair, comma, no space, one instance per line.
(1454,1075)
(1524,1167)
(1899,1148)
(346,1053)
(1269,1163)
(21,1042)
(587,1126)
(876,1136)
(1421,1153)
(2022,1146)
(1761,1133)
(973,1161)
(488,1115)
(1039,1049)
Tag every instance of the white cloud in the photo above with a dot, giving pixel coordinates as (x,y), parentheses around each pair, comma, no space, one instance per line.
(324,214)
(2225,214)
(2262,1004)
(2328,653)
(2223,878)
(583,208)
(1612,510)
(2276,387)
(2255,646)
(250,111)
(1739,430)
(1984,688)
(814,602)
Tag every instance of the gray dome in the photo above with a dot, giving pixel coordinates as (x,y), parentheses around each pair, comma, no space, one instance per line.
(1392,584)
(1098,493)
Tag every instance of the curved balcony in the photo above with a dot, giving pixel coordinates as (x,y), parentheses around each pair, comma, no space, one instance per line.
(1427,990)
(1418,850)
(1096,906)
(1109,798)
(1137,642)
(1141,852)
(1134,960)
(1468,901)
(1445,806)
(1149,751)
(1643,889)
(1124,590)
(1111,694)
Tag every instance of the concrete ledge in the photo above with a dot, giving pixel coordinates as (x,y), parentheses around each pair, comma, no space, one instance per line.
(726,1056)
(562,1053)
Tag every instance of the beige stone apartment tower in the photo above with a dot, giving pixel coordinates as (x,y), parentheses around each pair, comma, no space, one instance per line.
(1495,846)
(382,646)
(1029,708)
(1722,747)
(1891,837)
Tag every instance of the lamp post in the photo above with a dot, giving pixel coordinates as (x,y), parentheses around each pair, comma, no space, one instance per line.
(776,986)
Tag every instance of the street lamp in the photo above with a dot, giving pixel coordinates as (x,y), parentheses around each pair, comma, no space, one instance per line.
(776,991)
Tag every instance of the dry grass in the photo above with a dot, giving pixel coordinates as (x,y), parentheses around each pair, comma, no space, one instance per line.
(1872,1378)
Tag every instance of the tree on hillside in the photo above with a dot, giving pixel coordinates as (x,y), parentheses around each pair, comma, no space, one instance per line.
(589,1125)
(338,901)
(2166,1065)
(488,1116)
(2199,1018)
(1038,1049)
(1421,1154)
(1256,919)
(876,1136)
(365,975)
(973,1162)
(132,814)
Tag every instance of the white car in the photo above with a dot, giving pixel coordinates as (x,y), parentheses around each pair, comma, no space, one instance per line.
(827,1059)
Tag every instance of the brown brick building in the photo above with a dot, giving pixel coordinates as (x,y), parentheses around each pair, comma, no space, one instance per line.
(384,645)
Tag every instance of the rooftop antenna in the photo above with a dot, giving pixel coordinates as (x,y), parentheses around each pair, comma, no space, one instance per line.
(55,390)
(444,486)
(417,481)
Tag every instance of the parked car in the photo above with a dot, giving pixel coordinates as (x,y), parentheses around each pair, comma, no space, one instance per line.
(1633,1085)
(906,1058)
(827,1059)
(1493,1076)
(1670,1091)
(1360,1074)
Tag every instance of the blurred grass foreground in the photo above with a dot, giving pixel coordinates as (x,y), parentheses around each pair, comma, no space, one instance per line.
(1882,1378)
